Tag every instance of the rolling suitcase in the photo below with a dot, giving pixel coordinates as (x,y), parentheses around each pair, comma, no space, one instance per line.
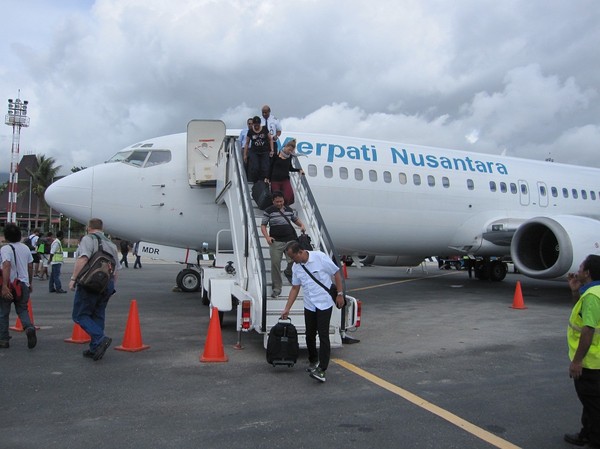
(282,344)
(261,193)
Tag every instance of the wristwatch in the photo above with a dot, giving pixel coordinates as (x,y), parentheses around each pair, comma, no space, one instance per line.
(341,293)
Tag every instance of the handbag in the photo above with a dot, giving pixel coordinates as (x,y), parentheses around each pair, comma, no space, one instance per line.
(332,290)
(304,239)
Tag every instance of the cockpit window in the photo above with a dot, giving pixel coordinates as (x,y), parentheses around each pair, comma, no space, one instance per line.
(137,158)
(142,157)
(158,157)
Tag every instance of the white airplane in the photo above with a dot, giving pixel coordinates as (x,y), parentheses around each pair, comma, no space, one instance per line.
(377,198)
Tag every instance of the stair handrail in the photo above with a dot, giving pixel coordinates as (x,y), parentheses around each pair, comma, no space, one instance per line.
(250,227)
(302,188)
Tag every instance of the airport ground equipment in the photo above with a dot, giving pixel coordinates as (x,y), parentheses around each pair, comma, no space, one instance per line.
(240,278)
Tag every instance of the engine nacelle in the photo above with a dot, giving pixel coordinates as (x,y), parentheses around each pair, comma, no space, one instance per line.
(547,248)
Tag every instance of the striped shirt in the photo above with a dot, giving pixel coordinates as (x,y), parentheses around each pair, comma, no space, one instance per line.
(279,228)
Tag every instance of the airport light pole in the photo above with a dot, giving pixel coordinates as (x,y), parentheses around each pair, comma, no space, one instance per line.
(17,118)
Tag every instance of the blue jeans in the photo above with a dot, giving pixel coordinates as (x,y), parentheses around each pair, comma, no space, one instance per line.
(21,309)
(89,311)
(54,282)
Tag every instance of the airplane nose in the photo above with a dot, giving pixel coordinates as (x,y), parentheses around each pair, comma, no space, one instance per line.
(72,195)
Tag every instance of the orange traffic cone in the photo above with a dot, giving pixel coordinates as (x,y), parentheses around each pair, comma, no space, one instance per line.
(132,341)
(213,348)
(518,299)
(78,335)
(18,327)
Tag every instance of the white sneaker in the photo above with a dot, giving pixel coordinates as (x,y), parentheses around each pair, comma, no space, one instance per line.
(318,374)
(311,367)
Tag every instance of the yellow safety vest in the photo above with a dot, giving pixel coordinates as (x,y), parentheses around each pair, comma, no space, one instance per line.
(58,256)
(592,358)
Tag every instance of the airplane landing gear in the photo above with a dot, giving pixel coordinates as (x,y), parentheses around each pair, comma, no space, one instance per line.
(492,270)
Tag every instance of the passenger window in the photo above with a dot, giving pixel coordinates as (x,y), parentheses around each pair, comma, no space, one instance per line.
(492,186)
(574,193)
(543,191)
(416,179)
(524,189)
(402,178)
(593,195)
(343,173)
(513,188)
(387,177)
(312,170)
(470,184)
(372,176)
(328,171)
(584,194)
(554,191)
(358,174)
(431,181)
(503,187)
(565,193)
(445,182)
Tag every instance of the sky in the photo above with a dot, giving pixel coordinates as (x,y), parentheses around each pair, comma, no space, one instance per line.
(517,77)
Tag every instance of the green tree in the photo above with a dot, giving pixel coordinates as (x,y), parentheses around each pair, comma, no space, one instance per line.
(41,180)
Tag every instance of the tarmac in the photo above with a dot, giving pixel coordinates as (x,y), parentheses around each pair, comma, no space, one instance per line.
(443,362)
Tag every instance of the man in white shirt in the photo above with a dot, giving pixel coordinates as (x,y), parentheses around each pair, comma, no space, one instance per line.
(272,125)
(17,270)
(318,304)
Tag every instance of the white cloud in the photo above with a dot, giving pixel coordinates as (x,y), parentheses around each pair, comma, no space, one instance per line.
(478,75)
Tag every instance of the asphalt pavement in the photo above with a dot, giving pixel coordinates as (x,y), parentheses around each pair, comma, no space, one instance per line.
(443,362)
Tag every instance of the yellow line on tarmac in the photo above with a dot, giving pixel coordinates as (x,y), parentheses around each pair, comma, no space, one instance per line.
(401,282)
(432,408)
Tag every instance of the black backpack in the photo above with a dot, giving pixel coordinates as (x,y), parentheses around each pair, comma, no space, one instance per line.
(27,242)
(98,271)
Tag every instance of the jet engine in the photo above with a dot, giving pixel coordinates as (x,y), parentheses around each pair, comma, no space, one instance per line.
(546,248)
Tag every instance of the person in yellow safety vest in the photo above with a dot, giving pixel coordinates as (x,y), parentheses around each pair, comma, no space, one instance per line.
(583,337)
(56,261)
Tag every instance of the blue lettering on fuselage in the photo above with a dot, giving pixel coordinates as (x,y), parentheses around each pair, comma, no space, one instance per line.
(456,163)
(333,152)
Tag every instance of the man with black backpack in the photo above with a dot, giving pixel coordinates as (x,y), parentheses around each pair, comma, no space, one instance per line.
(89,304)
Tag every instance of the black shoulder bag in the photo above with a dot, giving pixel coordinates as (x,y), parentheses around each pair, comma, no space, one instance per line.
(304,239)
(333,291)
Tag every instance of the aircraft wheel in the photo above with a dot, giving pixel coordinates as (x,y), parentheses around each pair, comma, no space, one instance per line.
(498,270)
(188,280)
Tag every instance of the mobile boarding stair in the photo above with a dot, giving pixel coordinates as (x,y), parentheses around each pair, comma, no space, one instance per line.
(241,276)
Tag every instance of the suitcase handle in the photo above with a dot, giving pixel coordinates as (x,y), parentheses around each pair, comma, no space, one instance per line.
(284,320)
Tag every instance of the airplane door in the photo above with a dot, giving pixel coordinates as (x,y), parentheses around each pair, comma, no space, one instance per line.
(543,194)
(204,139)
(523,193)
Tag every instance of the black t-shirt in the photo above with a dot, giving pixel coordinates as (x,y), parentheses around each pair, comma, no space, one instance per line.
(259,141)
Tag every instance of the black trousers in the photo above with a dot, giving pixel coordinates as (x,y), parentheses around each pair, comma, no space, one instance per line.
(588,392)
(258,166)
(318,322)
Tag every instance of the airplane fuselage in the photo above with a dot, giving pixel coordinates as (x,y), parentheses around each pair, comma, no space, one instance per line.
(376,197)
